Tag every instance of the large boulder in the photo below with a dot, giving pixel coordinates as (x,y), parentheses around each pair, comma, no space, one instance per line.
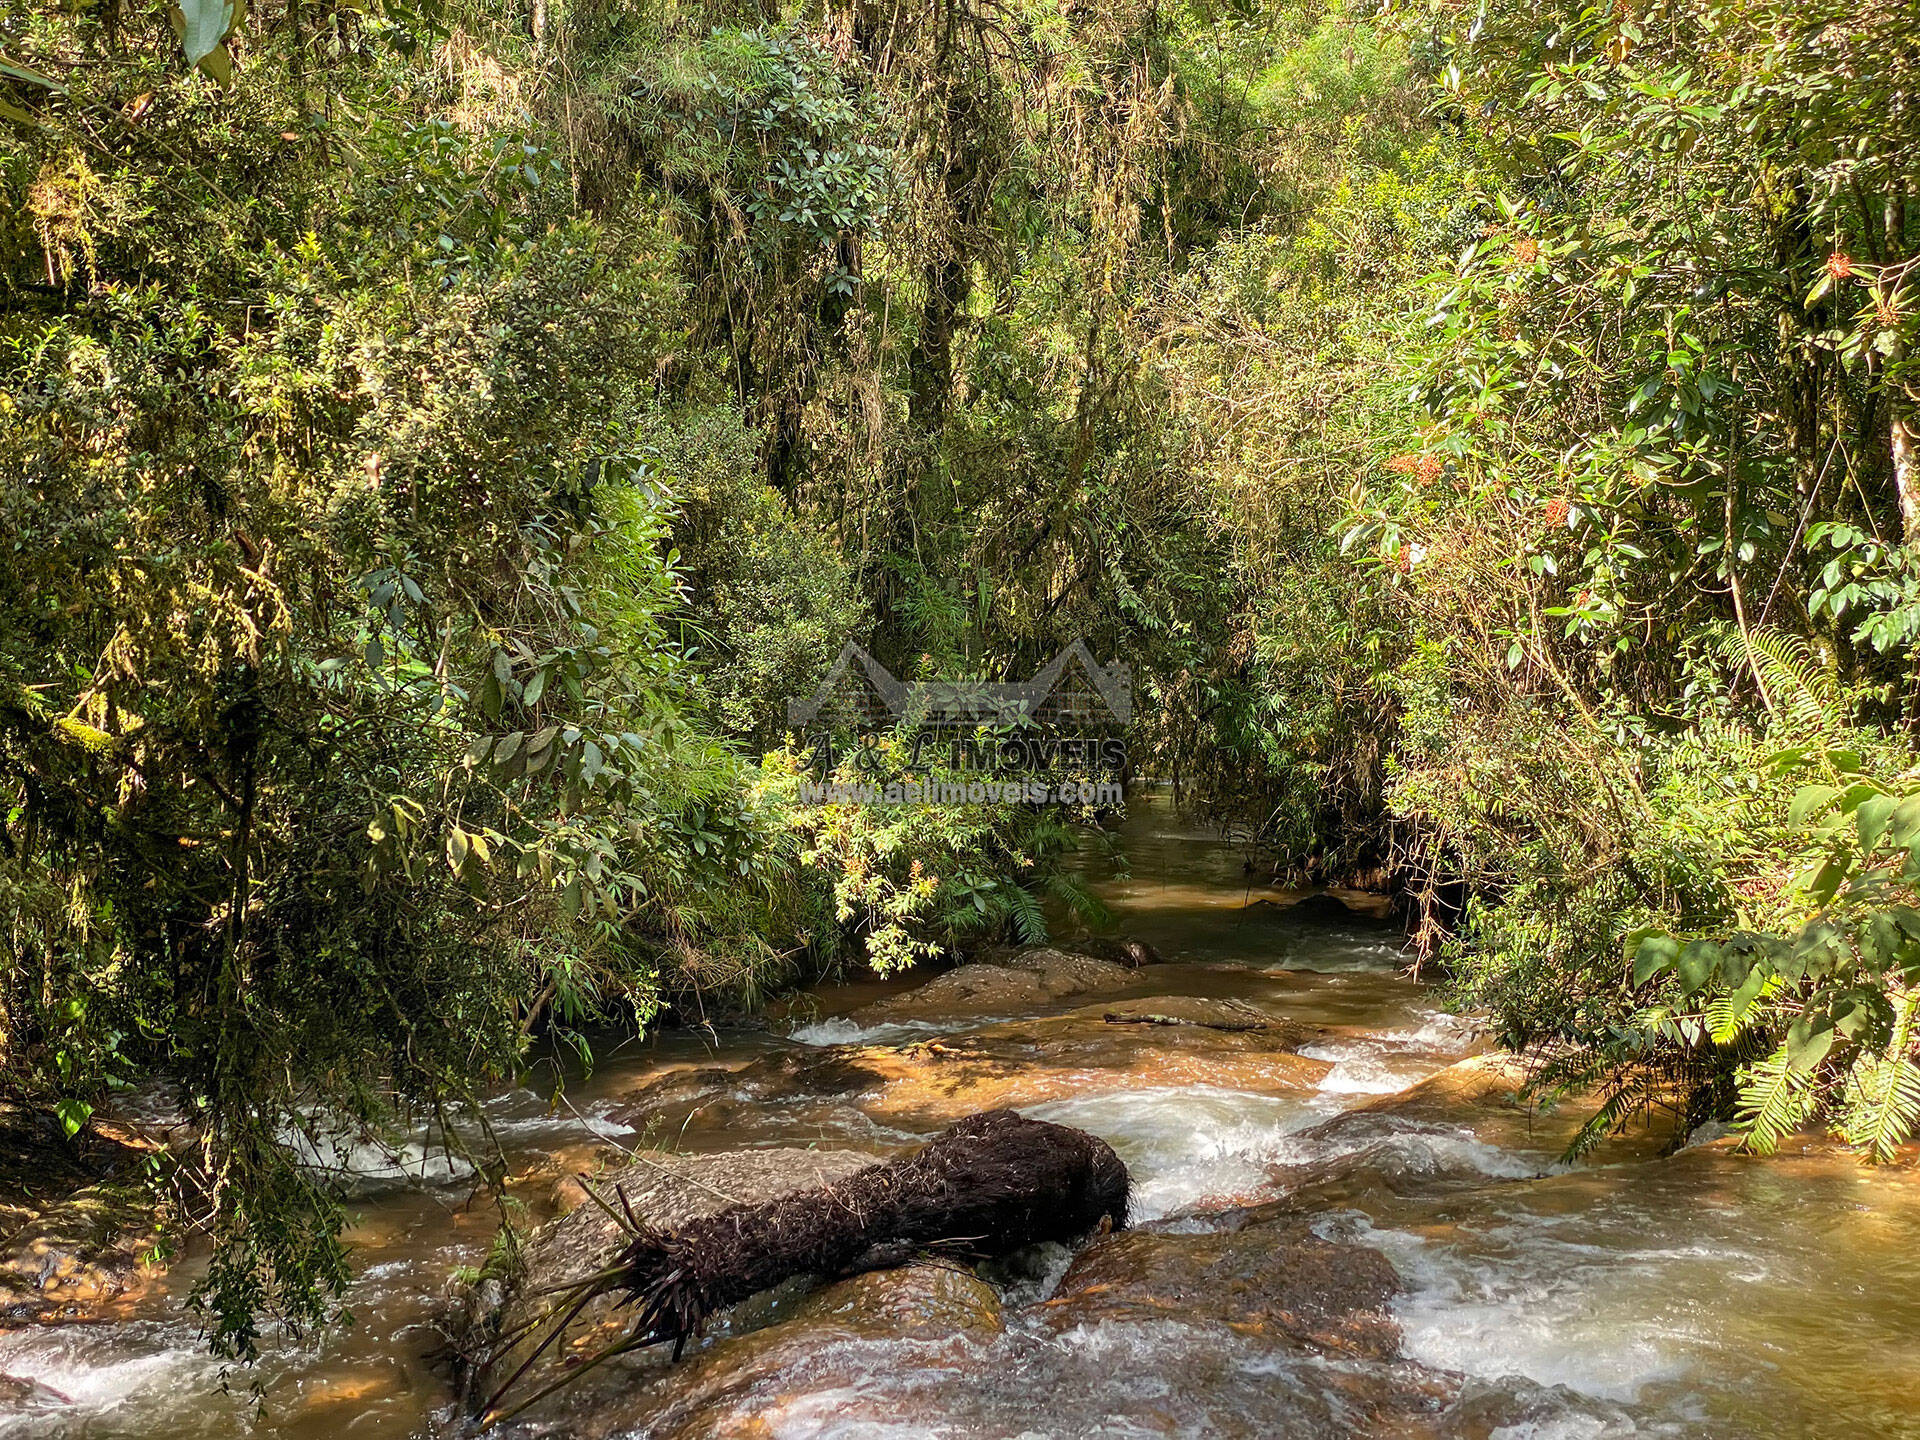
(764,1343)
(819,1349)
(1260,1273)
(1010,982)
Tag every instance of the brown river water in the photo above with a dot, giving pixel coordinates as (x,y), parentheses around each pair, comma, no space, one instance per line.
(1700,1294)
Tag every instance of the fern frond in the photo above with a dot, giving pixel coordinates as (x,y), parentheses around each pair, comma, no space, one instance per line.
(1739,1013)
(1883,1091)
(1803,687)
(1775,1099)
(1029,922)
(1632,1094)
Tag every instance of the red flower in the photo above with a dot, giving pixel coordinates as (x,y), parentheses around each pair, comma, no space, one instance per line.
(1424,468)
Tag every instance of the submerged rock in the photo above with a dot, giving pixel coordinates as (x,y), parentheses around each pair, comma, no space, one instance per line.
(743,1384)
(80,1259)
(1485,1097)
(77,1231)
(20,1395)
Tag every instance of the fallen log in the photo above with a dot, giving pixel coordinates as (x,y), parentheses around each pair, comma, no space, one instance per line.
(991,1184)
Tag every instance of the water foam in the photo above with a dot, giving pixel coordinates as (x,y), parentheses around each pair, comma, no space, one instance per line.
(1553,1312)
(839,1030)
(100,1369)
(1184,1145)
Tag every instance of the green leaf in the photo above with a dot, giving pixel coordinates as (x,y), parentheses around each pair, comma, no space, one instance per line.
(1808,1041)
(457,849)
(1784,762)
(1653,954)
(1904,829)
(1872,818)
(203,27)
(73,1115)
(1851,1018)
(1697,964)
(1881,941)
(1740,1002)
(13,70)
(536,687)
(1810,800)
(1825,881)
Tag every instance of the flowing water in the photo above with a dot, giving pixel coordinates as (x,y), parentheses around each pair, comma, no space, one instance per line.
(1702,1294)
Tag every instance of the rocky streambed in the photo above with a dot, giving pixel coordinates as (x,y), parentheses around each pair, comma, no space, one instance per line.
(1345,1224)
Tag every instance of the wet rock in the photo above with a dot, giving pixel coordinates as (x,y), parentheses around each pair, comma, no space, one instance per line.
(1322,907)
(1121,951)
(1267,1277)
(75,1230)
(79,1259)
(662,1190)
(19,1394)
(1492,1083)
(1230,1016)
(919,1088)
(1005,982)
(741,1385)
(1488,1095)
(1469,1123)
(917,1302)
(776,1098)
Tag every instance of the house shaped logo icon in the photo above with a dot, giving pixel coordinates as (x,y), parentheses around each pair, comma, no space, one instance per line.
(1073,690)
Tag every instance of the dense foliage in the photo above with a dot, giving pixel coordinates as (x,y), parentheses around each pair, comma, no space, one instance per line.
(438,440)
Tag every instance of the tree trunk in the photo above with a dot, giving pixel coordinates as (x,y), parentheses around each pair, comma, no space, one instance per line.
(1905,435)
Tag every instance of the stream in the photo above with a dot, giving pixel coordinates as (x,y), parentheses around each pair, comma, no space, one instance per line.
(1702,1294)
